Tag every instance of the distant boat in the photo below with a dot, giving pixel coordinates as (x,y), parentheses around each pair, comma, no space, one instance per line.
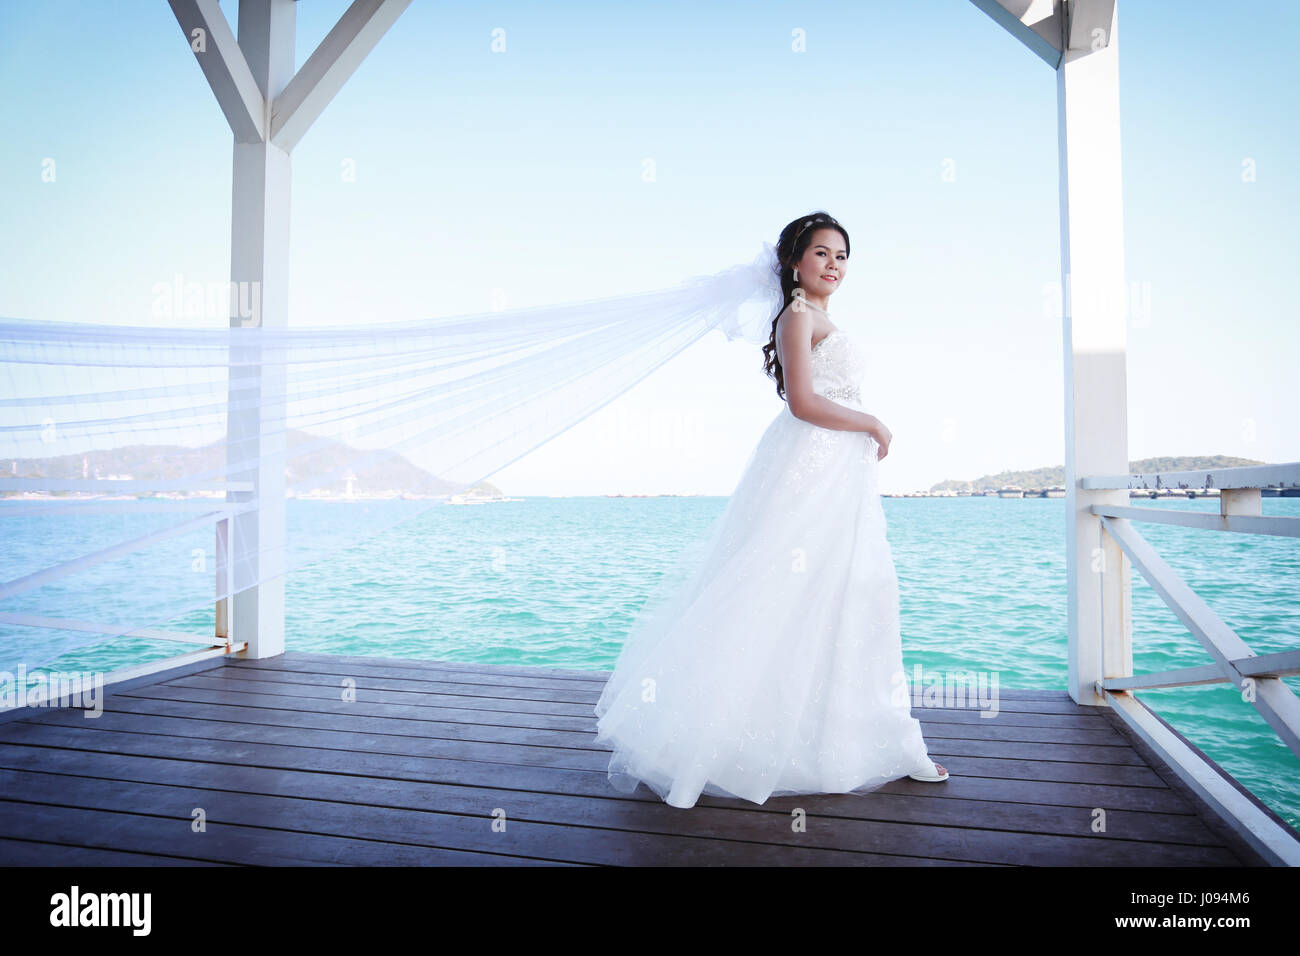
(1011,491)
(477,498)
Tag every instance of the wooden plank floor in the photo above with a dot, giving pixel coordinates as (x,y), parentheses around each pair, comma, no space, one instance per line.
(413,771)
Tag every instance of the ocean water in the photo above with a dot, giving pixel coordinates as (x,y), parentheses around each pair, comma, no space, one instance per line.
(558,581)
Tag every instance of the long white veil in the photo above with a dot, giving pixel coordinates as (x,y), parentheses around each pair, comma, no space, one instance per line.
(124,448)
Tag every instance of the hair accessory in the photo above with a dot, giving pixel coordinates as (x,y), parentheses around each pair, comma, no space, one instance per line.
(805,226)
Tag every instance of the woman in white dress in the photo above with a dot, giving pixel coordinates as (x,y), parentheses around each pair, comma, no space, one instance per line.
(774,666)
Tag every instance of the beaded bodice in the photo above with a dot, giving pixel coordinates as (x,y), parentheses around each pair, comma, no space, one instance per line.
(838,367)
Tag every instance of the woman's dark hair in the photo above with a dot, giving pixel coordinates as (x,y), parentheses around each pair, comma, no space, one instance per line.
(790,248)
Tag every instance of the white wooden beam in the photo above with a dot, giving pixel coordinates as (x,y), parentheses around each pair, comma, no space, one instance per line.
(1038,24)
(329,66)
(1088,23)
(113,678)
(1253,523)
(128,485)
(223,63)
(1286,475)
(27,582)
(91,627)
(1275,841)
(1050,27)
(1274,700)
(1277,664)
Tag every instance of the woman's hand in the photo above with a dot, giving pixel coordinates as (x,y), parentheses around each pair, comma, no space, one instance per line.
(883,437)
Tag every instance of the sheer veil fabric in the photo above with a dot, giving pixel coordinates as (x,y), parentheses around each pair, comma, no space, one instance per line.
(769,660)
(118,443)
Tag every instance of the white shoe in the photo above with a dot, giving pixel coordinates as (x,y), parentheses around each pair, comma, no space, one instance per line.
(934,776)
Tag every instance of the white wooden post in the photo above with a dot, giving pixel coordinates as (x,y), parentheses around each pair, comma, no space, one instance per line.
(1079,39)
(269,109)
(224,572)
(1095,345)
(1240,501)
(259,275)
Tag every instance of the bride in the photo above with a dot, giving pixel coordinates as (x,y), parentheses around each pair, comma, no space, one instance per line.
(775,666)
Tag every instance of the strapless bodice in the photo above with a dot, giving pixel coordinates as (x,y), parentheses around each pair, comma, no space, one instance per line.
(838,367)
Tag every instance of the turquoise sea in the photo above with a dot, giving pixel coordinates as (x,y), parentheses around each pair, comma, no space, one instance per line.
(558,581)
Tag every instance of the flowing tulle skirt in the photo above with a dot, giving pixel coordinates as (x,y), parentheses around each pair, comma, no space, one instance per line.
(769,659)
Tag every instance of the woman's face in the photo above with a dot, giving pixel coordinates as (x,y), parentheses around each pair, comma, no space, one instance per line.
(824,262)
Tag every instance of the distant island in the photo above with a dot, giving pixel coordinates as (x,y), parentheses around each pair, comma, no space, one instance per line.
(389,476)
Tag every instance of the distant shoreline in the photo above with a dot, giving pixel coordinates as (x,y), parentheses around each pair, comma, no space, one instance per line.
(219,497)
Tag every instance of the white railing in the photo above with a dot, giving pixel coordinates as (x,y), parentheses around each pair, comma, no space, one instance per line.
(1258,676)
(216,512)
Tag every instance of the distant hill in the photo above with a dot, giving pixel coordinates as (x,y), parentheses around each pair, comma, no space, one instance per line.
(484,489)
(1055,476)
(389,475)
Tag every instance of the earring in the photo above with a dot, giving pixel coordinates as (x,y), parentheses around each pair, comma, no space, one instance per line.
(796,276)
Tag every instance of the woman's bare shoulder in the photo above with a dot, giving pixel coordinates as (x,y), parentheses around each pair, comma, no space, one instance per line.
(794,325)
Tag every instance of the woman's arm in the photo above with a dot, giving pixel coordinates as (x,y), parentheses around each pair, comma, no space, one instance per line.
(793,333)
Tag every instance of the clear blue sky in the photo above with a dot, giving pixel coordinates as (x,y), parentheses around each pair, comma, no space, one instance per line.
(529,164)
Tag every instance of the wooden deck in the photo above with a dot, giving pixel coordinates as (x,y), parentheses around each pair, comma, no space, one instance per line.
(413,771)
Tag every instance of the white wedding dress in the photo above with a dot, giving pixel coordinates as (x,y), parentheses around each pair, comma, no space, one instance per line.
(772,664)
